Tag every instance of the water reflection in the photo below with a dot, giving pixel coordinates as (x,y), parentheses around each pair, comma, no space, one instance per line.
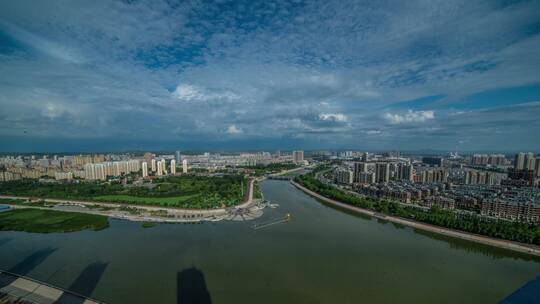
(473,247)
(344,210)
(191,287)
(398,225)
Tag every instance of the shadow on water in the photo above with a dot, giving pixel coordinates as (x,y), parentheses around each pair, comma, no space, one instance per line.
(191,287)
(85,283)
(25,266)
(528,293)
(473,247)
(4,241)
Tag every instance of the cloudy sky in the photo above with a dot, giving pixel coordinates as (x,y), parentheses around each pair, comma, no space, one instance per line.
(401,75)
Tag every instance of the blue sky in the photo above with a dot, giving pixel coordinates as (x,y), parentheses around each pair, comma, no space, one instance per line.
(373,75)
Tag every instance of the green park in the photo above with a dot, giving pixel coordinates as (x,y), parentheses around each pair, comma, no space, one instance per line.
(187,191)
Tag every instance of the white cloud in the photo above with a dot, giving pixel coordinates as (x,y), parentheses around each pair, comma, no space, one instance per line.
(333,117)
(232,129)
(52,111)
(409,117)
(189,93)
(373,132)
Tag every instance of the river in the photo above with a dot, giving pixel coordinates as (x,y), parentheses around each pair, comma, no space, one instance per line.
(322,255)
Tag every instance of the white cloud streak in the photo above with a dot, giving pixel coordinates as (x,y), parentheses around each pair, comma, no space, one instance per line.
(409,117)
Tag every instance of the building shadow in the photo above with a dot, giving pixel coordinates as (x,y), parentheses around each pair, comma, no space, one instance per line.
(4,241)
(84,284)
(25,266)
(528,293)
(191,287)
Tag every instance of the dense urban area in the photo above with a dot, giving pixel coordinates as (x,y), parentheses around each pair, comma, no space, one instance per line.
(491,194)
(491,185)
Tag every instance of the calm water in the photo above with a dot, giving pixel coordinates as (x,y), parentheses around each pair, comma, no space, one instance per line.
(322,255)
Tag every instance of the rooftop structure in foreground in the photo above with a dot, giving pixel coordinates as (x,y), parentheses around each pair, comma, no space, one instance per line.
(18,289)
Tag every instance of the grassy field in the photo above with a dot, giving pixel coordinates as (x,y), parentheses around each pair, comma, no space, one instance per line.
(186,191)
(163,201)
(48,221)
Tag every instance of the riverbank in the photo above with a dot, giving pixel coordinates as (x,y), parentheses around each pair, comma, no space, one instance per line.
(524,248)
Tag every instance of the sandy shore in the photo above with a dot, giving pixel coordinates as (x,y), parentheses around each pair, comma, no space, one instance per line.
(524,248)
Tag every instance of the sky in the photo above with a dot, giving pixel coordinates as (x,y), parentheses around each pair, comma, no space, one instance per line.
(368,75)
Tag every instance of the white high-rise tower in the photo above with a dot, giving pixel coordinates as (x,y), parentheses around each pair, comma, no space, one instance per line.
(159,168)
(184,166)
(153,165)
(144,169)
(173,167)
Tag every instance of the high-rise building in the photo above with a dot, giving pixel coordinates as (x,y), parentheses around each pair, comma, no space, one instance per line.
(153,165)
(359,167)
(298,156)
(89,172)
(94,171)
(471,178)
(344,176)
(173,166)
(144,169)
(479,159)
(404,172)
(537,167)
(100,171)
(63,175)
(178,157)
(365,157)
(524,161)
(159,168)
(530,161)
(184,166)
(519,161)
(497,159)
(382,172)
(366,178)
(164,166)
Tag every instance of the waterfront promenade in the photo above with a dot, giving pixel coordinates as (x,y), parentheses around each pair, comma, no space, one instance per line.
(524,248)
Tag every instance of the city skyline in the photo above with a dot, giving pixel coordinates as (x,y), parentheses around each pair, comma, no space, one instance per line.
(247,75)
